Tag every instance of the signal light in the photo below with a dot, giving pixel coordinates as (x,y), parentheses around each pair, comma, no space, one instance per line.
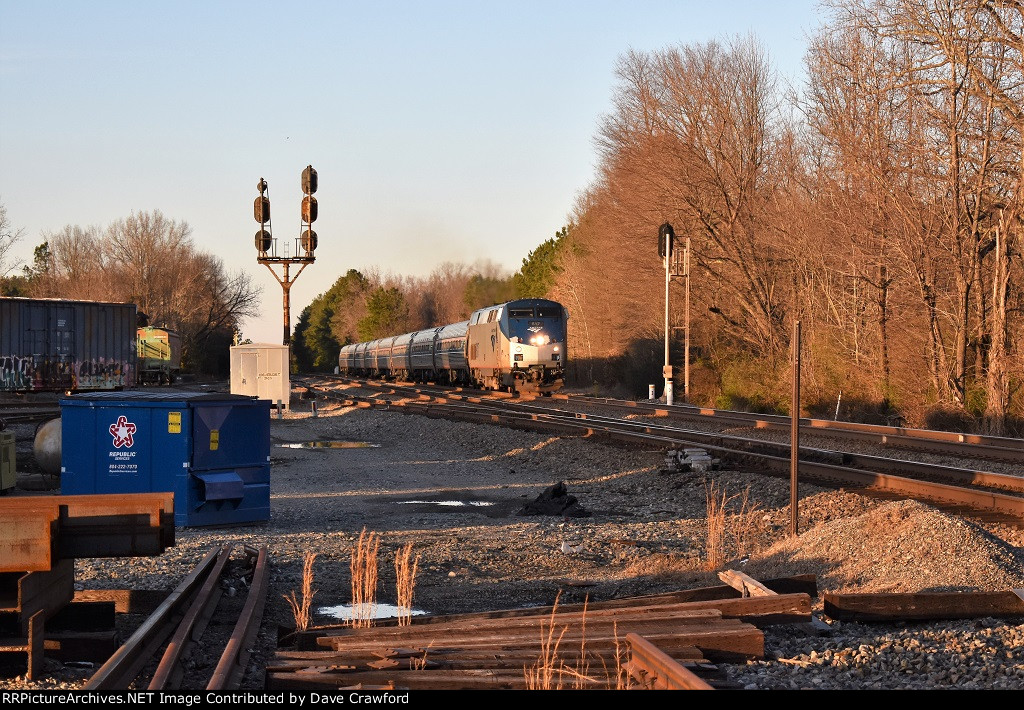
(263,241)
(309,241)
(261,209)
(666,237)
(308,209)
(309,180)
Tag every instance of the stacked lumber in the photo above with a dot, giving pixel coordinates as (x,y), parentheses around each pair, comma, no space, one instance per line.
(580,646)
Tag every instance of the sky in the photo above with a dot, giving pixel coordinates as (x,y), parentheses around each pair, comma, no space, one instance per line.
(440,131)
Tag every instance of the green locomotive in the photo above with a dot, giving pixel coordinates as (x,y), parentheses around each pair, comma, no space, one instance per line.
(159,352)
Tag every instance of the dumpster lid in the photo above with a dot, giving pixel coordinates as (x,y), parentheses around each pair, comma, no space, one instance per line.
(141,398)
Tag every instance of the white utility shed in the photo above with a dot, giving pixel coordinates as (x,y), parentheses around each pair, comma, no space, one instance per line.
(261,370)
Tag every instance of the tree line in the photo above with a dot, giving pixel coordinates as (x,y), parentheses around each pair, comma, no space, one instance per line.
(879,205)
(151,261)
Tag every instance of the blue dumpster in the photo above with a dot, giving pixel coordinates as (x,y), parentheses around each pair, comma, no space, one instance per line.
(211,450)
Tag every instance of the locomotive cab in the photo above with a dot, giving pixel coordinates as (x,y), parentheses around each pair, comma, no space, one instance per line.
(519,345)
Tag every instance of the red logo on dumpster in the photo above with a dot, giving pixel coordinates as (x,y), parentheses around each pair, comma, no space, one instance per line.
(122,432)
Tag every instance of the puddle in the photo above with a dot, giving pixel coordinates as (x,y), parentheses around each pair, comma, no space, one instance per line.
(377,611)
(452,503)
(330,445)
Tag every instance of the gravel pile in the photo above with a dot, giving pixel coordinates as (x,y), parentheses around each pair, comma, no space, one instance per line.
(454,490)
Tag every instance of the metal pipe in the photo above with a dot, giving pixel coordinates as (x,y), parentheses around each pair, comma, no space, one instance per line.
(794,433)
(286,289)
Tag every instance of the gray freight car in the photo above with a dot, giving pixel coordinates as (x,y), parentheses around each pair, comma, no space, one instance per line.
(66,346)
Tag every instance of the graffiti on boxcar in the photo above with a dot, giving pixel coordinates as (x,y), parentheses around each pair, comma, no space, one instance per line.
(102,374)
(19,374)
(15,372)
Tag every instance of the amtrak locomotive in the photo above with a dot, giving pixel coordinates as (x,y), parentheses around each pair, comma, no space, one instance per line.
(517,346)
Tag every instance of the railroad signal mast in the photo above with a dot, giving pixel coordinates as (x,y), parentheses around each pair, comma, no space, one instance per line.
(299,250)
(670,254)
(666,244)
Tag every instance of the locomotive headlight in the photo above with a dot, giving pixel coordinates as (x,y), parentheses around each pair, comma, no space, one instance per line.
(556,348)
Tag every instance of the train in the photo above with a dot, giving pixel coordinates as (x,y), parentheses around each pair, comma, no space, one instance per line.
(62,345)
(49,344)
(159,355)
(518,346)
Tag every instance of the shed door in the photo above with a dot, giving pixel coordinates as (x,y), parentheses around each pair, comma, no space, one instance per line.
(249,364)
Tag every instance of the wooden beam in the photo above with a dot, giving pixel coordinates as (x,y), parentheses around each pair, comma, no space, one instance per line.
(745,584)
(924,606)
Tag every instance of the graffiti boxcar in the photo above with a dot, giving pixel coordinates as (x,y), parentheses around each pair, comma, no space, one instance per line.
(66,346)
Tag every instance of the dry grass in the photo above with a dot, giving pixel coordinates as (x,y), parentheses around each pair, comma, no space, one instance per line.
(715,544)
(301,607)
(739,528)
(364,579)
(405,582)
(553,672)
(745,526)
(544,675)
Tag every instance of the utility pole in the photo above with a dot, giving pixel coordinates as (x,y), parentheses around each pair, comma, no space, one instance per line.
(686,315)
(301,252)
(666,239)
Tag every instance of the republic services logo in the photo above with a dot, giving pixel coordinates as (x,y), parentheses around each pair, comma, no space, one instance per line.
(122,432)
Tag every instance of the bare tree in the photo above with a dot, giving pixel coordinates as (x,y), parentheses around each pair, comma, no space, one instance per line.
(695,130)
(9,236)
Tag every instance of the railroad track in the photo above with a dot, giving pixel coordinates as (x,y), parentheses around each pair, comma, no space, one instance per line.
(28,412)
(179,624)
(943,443)
(994,494)
(995,448)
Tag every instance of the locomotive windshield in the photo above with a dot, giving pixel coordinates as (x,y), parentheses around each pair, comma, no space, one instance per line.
(536,324)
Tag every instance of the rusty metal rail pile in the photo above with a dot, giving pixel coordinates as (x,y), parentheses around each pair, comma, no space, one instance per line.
(596,645)
(986,493)
(179,623)
(40,537)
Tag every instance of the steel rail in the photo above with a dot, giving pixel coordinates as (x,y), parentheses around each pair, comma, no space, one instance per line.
(28,412)
(880,464)
(124,665)
(655,669)
(933,441)
(169,672)
(634,432)
(732,443)
(945,442)
(231,667)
